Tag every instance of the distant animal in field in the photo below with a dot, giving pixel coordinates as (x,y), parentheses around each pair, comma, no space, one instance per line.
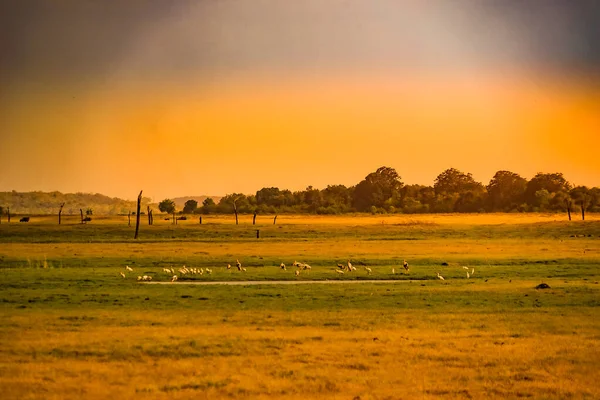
(228,266)
(467,268)
(339,271)
(238,264)
(174,278)
(468,276)
(472,271)
(184,218)
(340,266)
(24,219)
(282,266)
(405,265)
(440,277)
(393,271)
(368,270)
(87,219)
(128,268)
(297,273)
(122,274)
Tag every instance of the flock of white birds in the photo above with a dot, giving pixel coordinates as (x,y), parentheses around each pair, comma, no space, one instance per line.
(299,266)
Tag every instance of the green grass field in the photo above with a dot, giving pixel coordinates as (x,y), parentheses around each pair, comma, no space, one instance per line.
(73,328)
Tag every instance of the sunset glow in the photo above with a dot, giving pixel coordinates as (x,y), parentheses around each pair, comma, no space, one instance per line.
(221,118)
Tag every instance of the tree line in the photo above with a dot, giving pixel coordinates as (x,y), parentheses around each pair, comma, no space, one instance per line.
(383,192)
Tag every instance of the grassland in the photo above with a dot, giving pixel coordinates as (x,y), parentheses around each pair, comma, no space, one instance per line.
(72,327)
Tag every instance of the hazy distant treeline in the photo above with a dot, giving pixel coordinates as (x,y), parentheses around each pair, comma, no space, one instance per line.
(49,203)
(384,192)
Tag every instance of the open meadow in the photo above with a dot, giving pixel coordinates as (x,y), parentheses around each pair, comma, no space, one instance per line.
(72,327)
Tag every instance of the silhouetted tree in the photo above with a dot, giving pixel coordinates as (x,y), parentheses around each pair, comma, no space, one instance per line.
(552,183)
(190,206)
(581,197)
(376,189)
(506,191)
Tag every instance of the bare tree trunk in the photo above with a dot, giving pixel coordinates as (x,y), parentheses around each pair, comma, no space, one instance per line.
(60,212)
(258,233)
(200,219)
(254,219)
(8,214)
(275,219)
(235,211)
(129,219)
(151,217)
(569,212)
(81,212)
(137,215)
(582,211)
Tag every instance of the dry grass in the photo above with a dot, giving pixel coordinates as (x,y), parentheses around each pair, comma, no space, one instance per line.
(302,355)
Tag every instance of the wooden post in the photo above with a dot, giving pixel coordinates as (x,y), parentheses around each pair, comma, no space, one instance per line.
(81,212)
(8,214)
(258,233)
(129,219)
(137,215)
(235,211)
(200,220)
(275,219)
(254,219)
(583,210)
(174,219)
(60,212)
(151,217)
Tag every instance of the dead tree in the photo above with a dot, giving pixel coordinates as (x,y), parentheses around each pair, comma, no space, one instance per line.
(254,219)
(149,216)
(275,219)
(60,212)
(129,219)
(81,212)
(235,210)
(137,215)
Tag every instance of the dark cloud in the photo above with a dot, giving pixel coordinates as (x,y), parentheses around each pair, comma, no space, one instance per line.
(90,40)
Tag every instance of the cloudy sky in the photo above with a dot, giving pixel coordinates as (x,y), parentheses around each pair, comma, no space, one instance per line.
(216,96)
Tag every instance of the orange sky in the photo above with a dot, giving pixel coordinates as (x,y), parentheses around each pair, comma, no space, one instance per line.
(257,131)
(211,97)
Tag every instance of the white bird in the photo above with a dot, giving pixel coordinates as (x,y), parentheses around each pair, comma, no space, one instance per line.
(139,278)
(172,270)
(228,266)
(244,269)
(405,265)
(238,264)
(467,268)
(349,265)
(174,278)
(122,274)
(394,271)
(472,271)
(208,271)
(306,266)
(282,266)
(128,268)
(340,266)
(339,271)
(468,276)
(145,277)
(295,263)
(368,270)
(297,272)
(440,277)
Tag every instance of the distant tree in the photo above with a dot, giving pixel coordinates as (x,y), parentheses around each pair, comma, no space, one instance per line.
(89,211)
(562,200)
(453,181)
(552,183)
(376,189)
(190,206)
(506,191)
(581,197)
(542,199)
(167,206)
(208,206)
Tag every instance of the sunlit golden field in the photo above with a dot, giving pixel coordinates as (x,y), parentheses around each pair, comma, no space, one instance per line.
(72,327)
